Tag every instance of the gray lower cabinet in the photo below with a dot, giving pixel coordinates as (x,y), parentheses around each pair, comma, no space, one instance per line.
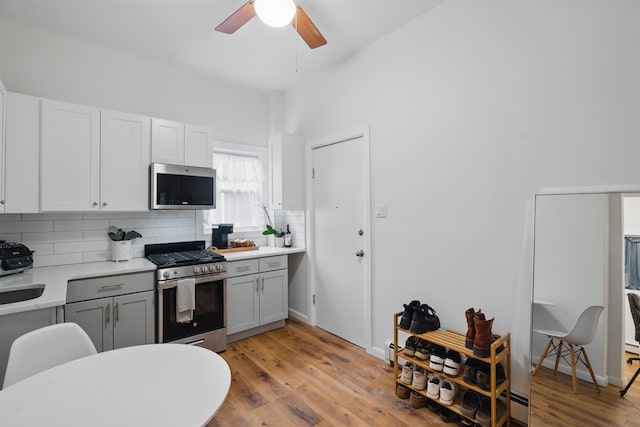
(257,292)
(122,319)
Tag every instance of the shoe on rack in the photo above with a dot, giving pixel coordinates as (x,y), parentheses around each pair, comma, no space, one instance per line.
(483,375)
(483,416)
(436,360)
(452,363)
(417,400)
(448,416)
(470,370)
(448,391)
(402,391)
(405,321)
(433,406)
(407,373)
(484,337)
(470,404)
(410,345)
(424,319)
(433,387)
(419,379)
(423,350)
(471,329)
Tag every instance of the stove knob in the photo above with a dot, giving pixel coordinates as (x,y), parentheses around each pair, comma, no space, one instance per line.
(205,268)
(218,267)
(196,270)
(166,274)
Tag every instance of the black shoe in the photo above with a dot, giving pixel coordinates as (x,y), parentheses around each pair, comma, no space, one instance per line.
(407,316)
(470,370)
(448,416)
(424,319)
(483,375)
(410,345)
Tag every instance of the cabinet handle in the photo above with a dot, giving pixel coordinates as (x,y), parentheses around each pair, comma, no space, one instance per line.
(104,203)
(106,315)
(257,286)
(94,204)
(239,269)
(116,316)
(1,202)
(263,285)
(274,264)
(111,286)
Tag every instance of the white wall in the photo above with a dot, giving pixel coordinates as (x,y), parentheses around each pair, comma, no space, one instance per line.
(49,65)
(475,106)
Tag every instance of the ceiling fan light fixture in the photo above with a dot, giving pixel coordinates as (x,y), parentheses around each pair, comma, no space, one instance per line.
(275,13)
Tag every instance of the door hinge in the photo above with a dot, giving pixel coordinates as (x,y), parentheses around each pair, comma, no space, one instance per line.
(314,299)
(313,173)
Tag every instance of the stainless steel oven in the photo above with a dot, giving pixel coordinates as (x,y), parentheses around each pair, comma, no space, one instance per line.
(207,326)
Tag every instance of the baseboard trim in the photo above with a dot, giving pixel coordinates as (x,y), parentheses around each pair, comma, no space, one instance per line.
(563,368)
(300,316)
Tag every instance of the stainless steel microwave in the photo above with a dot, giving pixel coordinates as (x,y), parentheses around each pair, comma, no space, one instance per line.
(182,187)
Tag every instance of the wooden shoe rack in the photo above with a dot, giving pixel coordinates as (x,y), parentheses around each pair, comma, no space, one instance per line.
(453,340)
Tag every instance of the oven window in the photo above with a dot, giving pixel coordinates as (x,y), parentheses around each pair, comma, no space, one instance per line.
(207,316)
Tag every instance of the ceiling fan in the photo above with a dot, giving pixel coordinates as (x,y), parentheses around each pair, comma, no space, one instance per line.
(268,12)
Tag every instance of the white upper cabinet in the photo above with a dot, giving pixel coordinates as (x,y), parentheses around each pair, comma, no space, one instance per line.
(181,144)
(92,159)
(167,142)
(287,172)
(70,157)
(22,149)
(3,95)
(125,154)
(198,146)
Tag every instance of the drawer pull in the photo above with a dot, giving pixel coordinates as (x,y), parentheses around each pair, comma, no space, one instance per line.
(274,264)
(111,287)
(245,268)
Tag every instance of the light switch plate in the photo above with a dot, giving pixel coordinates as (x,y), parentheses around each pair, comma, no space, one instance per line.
(381,210)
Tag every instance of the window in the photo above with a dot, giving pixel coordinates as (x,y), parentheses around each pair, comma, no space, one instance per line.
(240,185)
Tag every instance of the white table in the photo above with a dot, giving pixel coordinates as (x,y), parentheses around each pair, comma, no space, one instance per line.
(148,385)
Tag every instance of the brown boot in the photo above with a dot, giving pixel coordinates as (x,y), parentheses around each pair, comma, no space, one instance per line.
(484,337)
(471,329)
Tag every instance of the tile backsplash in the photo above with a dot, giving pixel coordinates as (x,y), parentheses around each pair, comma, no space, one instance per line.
(296,221)
(70,238)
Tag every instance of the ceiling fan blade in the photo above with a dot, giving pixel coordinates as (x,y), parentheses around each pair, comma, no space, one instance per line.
(307,29)
(237,19)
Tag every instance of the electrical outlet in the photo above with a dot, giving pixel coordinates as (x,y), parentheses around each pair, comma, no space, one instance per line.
(381,210)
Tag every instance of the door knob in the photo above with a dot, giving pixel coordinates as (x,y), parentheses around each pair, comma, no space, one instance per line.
(360,253)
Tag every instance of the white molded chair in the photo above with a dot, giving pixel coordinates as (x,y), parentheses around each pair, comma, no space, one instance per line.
(582,333)
(45,348)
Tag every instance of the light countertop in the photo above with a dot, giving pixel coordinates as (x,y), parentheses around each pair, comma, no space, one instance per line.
(55,278)
(263,251)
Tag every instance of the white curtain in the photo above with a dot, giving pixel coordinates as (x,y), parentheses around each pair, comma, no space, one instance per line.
(240,181)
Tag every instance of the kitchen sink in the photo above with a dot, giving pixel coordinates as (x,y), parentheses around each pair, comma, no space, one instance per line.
(21,294)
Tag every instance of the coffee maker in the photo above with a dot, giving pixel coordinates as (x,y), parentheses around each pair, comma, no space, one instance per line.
(220,235)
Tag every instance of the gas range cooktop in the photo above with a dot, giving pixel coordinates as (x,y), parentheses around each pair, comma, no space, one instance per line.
(180,254)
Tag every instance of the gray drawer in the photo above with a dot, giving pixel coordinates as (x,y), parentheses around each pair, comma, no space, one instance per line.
(108,286)
(273,263)
(241,268)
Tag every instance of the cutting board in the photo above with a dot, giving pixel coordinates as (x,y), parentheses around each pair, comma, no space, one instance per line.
(229,250)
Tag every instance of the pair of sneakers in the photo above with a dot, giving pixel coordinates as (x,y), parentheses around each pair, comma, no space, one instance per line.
(441,389)
(445,361)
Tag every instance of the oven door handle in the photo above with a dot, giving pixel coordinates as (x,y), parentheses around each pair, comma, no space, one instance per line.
(199,280)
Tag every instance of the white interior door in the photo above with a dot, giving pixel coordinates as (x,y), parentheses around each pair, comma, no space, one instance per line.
(340,197)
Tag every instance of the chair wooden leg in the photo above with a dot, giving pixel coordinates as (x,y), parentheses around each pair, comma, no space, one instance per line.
(588,363)
(544,354)
(555,370)
(573,369)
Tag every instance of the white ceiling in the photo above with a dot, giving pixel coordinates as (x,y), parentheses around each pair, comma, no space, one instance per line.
(181,32)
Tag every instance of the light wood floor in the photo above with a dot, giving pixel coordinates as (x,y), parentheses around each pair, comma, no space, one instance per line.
(553,403)
(302,376)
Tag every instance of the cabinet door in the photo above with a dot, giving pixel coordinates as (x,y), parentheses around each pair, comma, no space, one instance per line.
(198,146)
(96,318)
(125,154)
(3,93)
(242,303)
(167,142)
(133,320)
(287,172)
(22,148)
(70,157)
(274,296)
